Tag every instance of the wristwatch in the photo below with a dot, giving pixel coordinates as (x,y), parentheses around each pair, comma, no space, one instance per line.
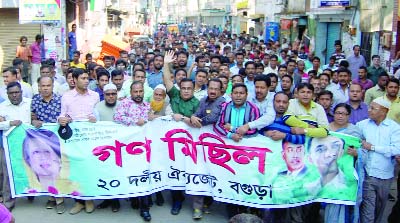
(305,131)
(183,118)
(372,148)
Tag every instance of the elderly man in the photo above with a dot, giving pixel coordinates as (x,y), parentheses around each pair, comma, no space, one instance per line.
(104,110)
(381,144)
(133,111)
(158,103)
(13,112)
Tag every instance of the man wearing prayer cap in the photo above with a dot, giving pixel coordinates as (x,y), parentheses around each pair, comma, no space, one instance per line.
(159,102)
(104,111)
(381,145)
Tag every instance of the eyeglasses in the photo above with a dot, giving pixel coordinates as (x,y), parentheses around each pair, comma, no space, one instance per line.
(341,113)
(110,94)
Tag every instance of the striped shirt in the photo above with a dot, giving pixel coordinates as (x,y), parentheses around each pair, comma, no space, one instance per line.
(236,117)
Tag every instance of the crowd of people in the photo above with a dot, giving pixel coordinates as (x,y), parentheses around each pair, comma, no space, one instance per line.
(241,85)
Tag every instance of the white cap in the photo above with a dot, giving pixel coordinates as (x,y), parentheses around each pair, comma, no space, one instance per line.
(109,86)
(382,102)
(161,86)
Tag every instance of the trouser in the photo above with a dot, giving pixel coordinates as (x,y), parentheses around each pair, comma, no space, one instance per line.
(25,71)
(144,203)
(58,200)
(177,196)
(200,201)
(71,53)
(35,73)
(394,216)
(375,195)
(335,213)
(8,201)
(308,213)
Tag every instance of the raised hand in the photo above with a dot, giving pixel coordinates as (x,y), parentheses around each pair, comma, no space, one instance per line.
(169,57)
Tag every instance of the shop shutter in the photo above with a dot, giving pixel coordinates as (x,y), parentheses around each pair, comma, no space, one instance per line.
(10,32)
(333,34)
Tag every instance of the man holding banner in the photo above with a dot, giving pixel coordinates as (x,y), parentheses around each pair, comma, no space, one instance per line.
(183,105)
(134,111)
(381,145)
(207,114)
(78,105)
(13,112)
(45,108)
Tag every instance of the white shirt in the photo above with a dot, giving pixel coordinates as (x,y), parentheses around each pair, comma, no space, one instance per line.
(26,91)
(339,96)
(268,70)
(265,105)
(234,70)
(15,112)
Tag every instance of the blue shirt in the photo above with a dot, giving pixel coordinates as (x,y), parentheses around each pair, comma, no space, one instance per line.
(100,92)
(154,79)
(385,138)
(72,40)
(46,111)
(280,125)
(359,113)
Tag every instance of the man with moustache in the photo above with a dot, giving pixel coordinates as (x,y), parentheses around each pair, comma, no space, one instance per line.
(263,99)
(207,114)
(341,91)
(250,70)
(359,109)
(14,112)
(133,111)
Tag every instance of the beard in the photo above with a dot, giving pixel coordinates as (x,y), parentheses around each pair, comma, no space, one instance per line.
(138,99)
(158,67)
(110,104)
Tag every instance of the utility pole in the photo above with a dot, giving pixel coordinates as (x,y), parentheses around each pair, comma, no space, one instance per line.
(198,17)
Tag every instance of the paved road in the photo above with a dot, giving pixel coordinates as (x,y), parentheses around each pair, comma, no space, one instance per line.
(26,212)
